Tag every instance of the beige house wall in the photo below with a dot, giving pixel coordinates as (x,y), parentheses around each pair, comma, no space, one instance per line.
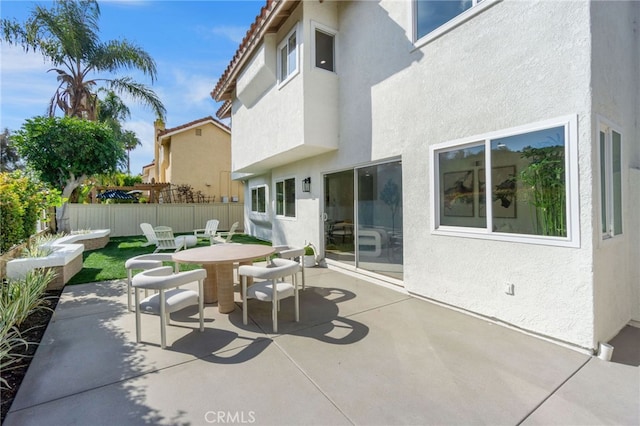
(200,156)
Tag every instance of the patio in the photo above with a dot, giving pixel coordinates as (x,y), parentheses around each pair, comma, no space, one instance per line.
(361,354)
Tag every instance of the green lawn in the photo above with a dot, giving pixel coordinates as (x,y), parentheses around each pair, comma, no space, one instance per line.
(108,263)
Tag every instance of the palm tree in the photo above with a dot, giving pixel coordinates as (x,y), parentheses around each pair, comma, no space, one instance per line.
(130,141)
(111,110)
(67,35)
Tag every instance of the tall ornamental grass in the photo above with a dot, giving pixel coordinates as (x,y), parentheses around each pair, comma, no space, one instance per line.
(19,298)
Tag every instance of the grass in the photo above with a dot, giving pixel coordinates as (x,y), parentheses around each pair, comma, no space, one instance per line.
(108,263)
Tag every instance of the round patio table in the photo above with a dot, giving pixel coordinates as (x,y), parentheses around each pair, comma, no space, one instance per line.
(218,261)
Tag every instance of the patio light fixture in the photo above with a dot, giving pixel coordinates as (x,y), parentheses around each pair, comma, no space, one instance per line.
(306,185)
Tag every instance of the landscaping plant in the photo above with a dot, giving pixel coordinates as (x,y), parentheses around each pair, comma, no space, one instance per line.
(19,299)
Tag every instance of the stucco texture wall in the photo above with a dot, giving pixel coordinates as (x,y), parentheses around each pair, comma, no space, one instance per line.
(487,74)
(204,162)
(615,70)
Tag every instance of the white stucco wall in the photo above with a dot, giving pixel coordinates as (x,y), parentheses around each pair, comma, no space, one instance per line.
(514,64)
(474,80)
(615,87)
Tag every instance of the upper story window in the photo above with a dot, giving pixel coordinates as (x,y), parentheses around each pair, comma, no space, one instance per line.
(432,15)
(610,142)
(286,197)
(288,56)
(259,199)
(518,185)
(324,48)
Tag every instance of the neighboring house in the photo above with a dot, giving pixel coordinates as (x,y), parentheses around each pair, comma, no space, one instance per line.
(149,173)
(391,113)
(196,154)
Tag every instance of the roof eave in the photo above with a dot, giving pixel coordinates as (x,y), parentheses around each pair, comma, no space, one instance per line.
(275,10)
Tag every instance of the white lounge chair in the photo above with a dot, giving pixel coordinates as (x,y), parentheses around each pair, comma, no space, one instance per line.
(149,233)
(225,236)
(209,230)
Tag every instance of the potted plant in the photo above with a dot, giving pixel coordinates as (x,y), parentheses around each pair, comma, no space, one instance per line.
(309,259)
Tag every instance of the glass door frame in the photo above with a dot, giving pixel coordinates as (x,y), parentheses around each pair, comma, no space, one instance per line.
(355,265)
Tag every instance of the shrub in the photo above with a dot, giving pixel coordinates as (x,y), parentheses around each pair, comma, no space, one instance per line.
(22,199)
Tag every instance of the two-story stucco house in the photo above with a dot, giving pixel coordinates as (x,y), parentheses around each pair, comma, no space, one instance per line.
(481,154)
(197,154)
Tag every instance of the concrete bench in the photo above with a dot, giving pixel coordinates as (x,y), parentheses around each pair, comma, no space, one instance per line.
(65,259)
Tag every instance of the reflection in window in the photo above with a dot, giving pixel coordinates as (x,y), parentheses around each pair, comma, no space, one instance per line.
(431,14)
(524,193)
(610,181)
(286,197)
(258,200)
(288,53)
(324,50)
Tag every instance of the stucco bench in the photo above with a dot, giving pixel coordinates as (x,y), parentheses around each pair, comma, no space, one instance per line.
(65,259)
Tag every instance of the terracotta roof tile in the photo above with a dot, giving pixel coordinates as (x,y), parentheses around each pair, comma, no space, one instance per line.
(269,10)
(192,123)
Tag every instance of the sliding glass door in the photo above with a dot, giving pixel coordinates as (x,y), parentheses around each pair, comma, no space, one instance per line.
(339,217)
(363,218)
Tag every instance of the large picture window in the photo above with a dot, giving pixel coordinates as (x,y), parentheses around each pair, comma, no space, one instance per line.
(258,199)
(610,142)
(434,17)
(516,184)
(286,197)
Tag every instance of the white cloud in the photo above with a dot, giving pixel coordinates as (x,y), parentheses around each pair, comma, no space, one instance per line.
(233,33)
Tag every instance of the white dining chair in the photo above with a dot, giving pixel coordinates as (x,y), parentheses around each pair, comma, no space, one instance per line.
(292,253)
(169,298)
(142,263)
(272,289)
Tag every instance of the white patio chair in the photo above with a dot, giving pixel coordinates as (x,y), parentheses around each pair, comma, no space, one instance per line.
(149,233)
(292,253)
(209,230)
(272,290)
(225,236)
(142,263)
(167,241)
(169,298)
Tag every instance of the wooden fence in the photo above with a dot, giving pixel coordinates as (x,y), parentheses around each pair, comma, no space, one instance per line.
(125,219)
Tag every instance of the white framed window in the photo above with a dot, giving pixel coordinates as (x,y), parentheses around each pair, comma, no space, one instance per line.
(324,47)
(288,56)
(518,184)
(432,18)
(286,197)
(259,199)
(610,148)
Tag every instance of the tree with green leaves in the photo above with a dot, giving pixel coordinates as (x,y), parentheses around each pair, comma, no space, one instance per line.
(67,35)
(66,150)
(111,110)
(131,142)
(9,157)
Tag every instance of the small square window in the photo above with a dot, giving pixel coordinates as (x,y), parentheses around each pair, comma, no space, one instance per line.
(258,199)
(198,132)
(610,181)
(286,197)
(288,56)
(325,48)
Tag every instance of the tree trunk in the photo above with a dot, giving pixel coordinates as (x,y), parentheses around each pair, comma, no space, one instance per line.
(62,213)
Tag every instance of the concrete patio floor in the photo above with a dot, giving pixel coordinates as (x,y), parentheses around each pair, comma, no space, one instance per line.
(361,354)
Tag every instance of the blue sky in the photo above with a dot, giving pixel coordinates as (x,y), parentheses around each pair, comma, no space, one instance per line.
(192,43)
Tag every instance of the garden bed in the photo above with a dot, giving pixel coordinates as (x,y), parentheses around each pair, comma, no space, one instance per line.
(32,330)
(65,258)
